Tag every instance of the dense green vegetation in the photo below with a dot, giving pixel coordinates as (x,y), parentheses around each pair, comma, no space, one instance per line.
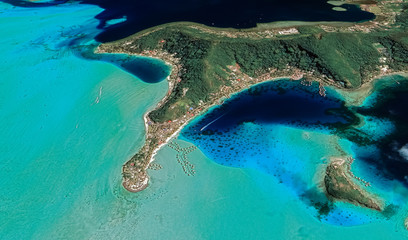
(339,185)
(348,58)
(402,18)
(397,49)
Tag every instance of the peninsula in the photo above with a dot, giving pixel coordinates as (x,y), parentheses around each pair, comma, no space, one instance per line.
(210,64)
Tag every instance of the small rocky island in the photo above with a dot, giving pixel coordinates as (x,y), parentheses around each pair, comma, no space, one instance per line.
(340,184)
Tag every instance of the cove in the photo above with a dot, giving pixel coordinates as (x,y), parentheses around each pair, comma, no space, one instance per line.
(290,104)
(285,129)
(149,70)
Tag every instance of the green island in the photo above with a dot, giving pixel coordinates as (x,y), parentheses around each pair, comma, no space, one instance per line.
(341,184)
(210,64)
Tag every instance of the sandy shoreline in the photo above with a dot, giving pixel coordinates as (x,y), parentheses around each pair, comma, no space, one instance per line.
(143,183)
(169,60)
(368,85)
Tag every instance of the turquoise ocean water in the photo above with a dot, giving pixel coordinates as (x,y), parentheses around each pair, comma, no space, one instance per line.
(68,123)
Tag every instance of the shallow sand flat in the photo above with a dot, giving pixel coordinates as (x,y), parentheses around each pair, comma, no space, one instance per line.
(336,3)
(61,148)
(224,202)
(339,9)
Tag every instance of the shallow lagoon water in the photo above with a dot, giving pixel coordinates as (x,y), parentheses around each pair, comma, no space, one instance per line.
(254,130)
(68,123)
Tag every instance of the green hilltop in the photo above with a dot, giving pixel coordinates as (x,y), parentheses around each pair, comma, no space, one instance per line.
(347,58)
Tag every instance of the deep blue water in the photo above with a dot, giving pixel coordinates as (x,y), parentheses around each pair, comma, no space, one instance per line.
(391,155)
(252,129)
(243,131)
(284,129)
(280,102)
(122,18)
(140,15)
(292,104)
(279,128)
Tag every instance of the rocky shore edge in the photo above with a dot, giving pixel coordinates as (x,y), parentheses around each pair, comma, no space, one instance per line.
(340,184)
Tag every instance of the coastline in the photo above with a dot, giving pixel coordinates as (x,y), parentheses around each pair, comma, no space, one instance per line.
(140,182)
(159,133)
(383,18)
(142,179)
(266,181)
(338,184)
(139,178)
(357,96)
